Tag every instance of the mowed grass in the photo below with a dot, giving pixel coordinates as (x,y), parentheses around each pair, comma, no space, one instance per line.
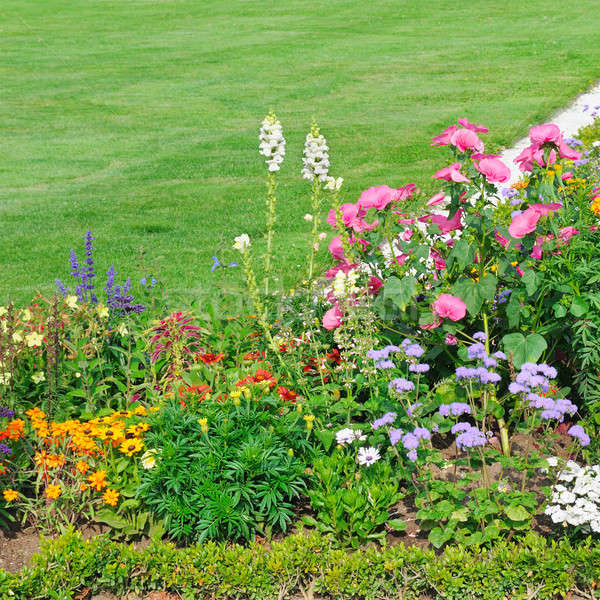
(138,120)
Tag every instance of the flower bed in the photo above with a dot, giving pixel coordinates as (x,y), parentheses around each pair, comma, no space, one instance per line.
(439,385)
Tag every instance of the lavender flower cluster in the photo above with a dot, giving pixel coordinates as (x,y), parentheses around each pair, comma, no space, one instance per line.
(410,440)
(6,412)
(468,436)
(482,373)
(4,449)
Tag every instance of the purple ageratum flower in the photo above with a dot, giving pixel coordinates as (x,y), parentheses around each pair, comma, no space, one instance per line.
(378,354)
(4,449)
(460,426)
(565,406)
(490,377)
(476,351)
(413,407)
(480,336)
(435,428)
(401,385)
(418,367)
(406,342)
(385,364)
(410,441)
(552,413)
(499,355)
(414,350)
(515,213)
(455,409)
(529,367)
(471,438)
(573,142)
(515,202)
(465,373)
(412,455)
(489,362)
(395,436)
(581,162)
(547,371)
(392,348)
(577,431)
(516,388)
(7,413)
(422,433)
(387,419)
(509,192)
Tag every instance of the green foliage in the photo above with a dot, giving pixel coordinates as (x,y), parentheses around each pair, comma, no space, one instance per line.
(230,475)
(309,565)
(350,503)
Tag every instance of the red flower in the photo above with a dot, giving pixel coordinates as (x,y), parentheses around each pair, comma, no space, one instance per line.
(210,358)
(256,355)
(287,395)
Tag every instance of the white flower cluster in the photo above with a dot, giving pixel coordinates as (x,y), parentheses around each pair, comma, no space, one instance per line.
(344,284)
(347,436)
(334,184)
(272,142)
(242,243)
(576,498)
(316,158)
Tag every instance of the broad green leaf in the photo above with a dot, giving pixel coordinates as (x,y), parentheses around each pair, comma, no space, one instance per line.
(524,349)
(531,280)
(400,291)
(516,513)
(397,524)
(486,287)
(559,310)
(579,307)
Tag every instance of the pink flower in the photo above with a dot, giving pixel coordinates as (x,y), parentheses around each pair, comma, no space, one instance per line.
(543,134)
(345,267)
(438,261)
(475,128)
(407,234)
(437,199)
(449,306)
(451,340)
(332,318)
(501,239)
(564,151)
(566,233)
(374,286)
(444,138)
(349,213)
(376,197)
(336,248)
(451,173)
(495,170)
(445,225)
(534,155)
(546,209)
(566,176)
(465,139)
(536,251)
(524,223)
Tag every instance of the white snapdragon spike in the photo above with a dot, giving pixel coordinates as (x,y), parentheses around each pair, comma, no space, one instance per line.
(316,156)
(334,184)
(575,500)
(344,284)
(242,243)
(272,142)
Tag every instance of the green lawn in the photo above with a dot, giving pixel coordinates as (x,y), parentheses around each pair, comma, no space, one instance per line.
(139,119)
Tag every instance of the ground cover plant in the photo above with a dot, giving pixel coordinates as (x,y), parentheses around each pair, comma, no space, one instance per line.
(140,134)
(438,384)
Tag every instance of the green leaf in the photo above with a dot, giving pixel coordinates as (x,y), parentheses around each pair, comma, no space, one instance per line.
(579,307)
(524,349)
(531,280)
(462,515)
(513,311)
(486,287)
(438,537)
(559,310)
(516,513)
(400,291)
(397,524)
(463,253)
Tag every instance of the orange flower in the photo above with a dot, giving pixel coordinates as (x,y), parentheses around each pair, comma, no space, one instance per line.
(10,495)
(111,497)
(83,487)
(2,469)
(40,458)
(35,414)
(141,411)
(97,480)
(53,491)
(82,467)
(138,429)
(55,460)
(210,358)
(15,429)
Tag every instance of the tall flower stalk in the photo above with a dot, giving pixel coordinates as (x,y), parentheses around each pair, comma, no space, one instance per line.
(272,147)
(316,168)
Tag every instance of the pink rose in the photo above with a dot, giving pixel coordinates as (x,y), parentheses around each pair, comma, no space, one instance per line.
(465,139)
(543,134)
(449,306)
(444,138)
(476,128)
(451,173)
(495,170)
(524,223)
(332,318)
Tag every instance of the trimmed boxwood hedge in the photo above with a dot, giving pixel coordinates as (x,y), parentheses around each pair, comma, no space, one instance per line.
(308,564)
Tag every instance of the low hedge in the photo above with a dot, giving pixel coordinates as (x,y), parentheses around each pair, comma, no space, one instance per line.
(307,565)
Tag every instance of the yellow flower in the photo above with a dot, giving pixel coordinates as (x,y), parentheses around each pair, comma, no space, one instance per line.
(141,411)
(203,424)
(17,337)
(26,315)
(53,491)
(3,310)
(38,377)
(102,311)
(309,421)
(130,447)
(10,495)
(71,301)
(110,497)
(34,339)
(137,429)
